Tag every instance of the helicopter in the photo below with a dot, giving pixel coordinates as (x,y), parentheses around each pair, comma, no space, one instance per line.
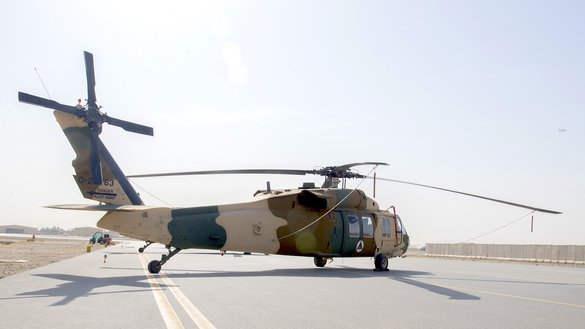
(321,222)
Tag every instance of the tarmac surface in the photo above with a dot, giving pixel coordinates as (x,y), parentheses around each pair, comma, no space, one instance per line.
(202,289)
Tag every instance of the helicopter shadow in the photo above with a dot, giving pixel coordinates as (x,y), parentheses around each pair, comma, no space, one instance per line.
(402,276)
(77,286)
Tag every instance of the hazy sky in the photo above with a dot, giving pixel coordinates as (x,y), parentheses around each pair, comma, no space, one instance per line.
(481,96)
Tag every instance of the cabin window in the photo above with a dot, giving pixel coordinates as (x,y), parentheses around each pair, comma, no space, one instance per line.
(354,226)
(368,226)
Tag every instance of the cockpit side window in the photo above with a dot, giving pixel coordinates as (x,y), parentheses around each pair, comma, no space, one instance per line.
(398,225)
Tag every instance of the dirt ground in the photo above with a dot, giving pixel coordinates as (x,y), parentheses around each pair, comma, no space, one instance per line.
(19,255)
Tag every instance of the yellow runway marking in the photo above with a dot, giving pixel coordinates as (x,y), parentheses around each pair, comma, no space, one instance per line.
(200,320)
(546,301)
(166,310)
(539,300)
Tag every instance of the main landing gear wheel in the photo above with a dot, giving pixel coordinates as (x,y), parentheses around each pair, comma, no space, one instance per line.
(155,265)
(381,262)
(320,261)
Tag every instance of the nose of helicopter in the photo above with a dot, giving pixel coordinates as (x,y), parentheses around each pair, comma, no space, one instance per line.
(406,241)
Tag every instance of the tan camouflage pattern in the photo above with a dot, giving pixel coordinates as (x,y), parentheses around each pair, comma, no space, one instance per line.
(304,222)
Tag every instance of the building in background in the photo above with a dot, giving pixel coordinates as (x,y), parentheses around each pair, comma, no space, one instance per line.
(18,229)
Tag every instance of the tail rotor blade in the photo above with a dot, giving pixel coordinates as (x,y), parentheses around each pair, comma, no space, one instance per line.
(130,126)
(95,163)
(35,100)
(90,73)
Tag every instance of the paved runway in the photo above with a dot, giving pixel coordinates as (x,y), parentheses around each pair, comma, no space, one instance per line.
(203,289)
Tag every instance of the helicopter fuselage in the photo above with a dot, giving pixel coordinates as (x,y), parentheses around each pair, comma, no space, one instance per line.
(304,222)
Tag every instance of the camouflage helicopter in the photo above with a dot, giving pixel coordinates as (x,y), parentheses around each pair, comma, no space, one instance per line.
(320,222)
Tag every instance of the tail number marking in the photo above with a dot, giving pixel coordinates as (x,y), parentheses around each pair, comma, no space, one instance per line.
(87,180)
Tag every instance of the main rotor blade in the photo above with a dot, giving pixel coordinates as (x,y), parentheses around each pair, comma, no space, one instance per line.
(229,171)
(473,195)
(35,100)
(299,172)
(90,74)
(130,126)
(350,165)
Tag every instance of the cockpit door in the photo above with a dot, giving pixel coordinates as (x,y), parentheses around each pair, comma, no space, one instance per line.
(399,230)
(383,234)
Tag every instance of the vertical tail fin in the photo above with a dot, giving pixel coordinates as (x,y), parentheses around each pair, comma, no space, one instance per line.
(115,187)
(96,173)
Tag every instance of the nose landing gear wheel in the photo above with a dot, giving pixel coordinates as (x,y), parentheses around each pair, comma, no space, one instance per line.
(141,249)
(381,262)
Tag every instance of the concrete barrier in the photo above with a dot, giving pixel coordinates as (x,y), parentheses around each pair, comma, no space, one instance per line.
(562,254)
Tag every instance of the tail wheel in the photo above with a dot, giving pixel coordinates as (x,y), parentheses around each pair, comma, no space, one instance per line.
(320,261)
(381,262)
(154,266)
